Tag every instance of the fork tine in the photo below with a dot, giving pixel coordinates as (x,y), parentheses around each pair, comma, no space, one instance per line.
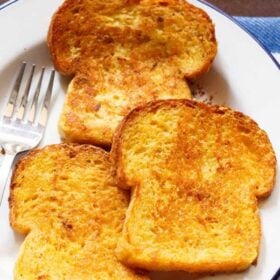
(49,91)
(27,88)
(15,91)
(45,103)
(21,101)
(33,100)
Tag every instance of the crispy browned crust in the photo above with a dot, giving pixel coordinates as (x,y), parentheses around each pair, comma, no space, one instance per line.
(116,151)
(153,106)
(53,38)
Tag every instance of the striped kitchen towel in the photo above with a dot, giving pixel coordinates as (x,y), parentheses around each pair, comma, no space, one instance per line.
(266,30)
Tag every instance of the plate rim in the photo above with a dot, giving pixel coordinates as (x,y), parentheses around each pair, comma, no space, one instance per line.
(7,3)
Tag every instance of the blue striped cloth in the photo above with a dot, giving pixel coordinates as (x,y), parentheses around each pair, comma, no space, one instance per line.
(266,30)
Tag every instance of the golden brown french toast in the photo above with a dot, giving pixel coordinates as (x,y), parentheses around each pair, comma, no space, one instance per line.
(64,198)
(122,54)
(94,120)
(196,172)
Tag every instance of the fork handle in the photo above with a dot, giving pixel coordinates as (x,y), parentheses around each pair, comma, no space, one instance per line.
(5,169)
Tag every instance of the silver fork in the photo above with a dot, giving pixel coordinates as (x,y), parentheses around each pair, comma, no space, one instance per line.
(23,120)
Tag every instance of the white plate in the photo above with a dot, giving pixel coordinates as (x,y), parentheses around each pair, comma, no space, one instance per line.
(243,76)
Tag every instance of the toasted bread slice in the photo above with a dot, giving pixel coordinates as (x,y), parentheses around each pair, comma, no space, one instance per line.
(173,31)
(195,171)
(123,54)
(64,198)
(93,108)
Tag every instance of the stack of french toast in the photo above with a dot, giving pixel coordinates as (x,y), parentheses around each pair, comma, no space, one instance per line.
(147,179)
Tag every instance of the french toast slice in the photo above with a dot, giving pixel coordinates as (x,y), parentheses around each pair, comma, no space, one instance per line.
(64,198)
(196,172)
(173,31)
(92,118)
(123,54)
